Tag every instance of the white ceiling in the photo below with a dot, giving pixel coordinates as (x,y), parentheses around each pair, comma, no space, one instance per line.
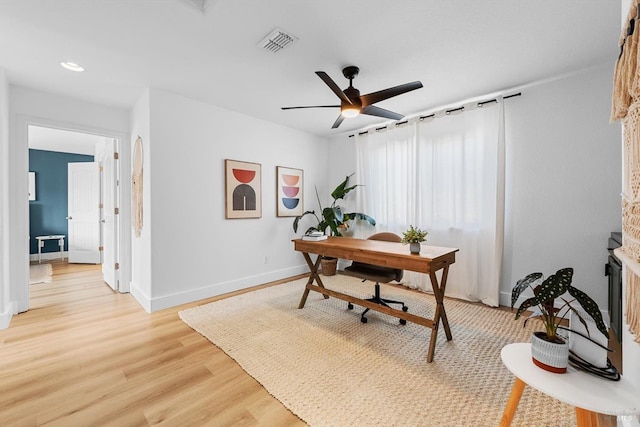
(207,50)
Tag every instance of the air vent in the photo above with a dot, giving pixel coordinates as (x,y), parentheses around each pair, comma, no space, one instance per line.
(277,40)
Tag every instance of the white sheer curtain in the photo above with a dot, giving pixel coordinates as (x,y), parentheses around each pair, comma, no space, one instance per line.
(446,176)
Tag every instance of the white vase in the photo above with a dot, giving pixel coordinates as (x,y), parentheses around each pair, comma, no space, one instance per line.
(414,247)
(550,356)
(348,232)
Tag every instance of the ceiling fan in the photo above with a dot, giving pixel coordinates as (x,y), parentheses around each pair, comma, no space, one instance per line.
(352,103)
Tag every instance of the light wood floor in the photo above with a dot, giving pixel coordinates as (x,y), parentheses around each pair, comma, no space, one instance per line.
(84,355)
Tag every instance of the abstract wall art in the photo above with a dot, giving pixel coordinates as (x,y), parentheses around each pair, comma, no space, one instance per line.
(289,191)
(243,189)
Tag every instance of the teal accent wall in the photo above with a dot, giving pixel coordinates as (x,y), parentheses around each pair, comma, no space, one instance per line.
(48,213)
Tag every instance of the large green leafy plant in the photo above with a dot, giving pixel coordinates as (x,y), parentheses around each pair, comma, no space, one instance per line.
(545,292)
(332,216)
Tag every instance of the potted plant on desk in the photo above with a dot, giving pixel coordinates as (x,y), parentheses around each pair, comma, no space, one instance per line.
(334,219)
(414,237)
(550,351)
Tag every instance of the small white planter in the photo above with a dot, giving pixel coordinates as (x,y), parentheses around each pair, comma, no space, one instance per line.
(550,356)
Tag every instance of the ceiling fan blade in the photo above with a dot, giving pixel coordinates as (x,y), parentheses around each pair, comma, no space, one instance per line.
(334,87)
(372,98)
(372,110)
(311,106)
(338,121)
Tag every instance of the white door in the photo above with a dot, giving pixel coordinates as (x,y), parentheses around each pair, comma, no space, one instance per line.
(105,157)
(84,213)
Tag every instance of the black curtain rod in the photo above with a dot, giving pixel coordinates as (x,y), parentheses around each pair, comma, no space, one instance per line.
(453,110)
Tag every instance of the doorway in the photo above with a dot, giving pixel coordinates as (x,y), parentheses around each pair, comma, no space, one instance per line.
(76,178)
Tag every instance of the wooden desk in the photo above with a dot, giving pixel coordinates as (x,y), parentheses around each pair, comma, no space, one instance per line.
(388,254)
(589,394)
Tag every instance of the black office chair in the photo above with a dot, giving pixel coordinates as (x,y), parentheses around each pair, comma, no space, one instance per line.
(377,274)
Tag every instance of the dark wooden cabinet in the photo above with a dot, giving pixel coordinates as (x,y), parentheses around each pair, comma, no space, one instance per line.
(613,270)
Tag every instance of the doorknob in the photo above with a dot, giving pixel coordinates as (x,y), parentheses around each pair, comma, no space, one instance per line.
(69,217)
(102,221)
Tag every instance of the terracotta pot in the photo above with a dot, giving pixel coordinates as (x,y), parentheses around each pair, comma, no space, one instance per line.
(550,356)
(329,266)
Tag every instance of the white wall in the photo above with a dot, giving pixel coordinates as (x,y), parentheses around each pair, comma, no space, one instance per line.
(6,309)
(563,180)
(195,251)
(343,163)
(29,106)
(140,286)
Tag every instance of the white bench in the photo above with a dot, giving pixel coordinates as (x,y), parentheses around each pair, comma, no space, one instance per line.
(41,240)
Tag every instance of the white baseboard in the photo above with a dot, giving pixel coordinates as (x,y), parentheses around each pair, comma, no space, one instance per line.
(159,303)
(45,256)
(143,299)
(505,299)
(7,315)
(5,319)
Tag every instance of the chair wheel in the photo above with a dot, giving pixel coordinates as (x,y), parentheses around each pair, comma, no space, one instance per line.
(350,306)
(405,308)
(363,319)
(403,322)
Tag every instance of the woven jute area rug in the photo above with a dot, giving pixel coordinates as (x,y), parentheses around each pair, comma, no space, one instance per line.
(40,273)
(330,369)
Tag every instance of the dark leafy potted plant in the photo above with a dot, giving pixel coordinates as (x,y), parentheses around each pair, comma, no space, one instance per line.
(544,345)
(414,236)
(333,217)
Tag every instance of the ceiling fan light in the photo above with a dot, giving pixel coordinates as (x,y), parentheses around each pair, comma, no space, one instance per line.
(349,111)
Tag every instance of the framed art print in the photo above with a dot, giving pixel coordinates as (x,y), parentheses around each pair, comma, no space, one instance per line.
(243,189)
(289,191)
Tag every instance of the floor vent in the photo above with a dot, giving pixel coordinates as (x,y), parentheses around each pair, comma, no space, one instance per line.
(277,40)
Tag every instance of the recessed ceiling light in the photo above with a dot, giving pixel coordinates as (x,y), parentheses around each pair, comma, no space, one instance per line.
(72,66)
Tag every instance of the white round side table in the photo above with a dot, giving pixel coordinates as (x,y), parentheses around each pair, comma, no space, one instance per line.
(588,393)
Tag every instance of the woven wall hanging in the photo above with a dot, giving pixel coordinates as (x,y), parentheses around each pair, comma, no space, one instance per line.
(625,106)
(136,186)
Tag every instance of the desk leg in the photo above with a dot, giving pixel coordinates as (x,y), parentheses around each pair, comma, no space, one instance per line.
(40,245)
(586,418)
(440,313)
(443,314)
(512,404)
(313,275)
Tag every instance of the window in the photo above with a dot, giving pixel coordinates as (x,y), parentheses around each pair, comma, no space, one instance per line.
(445,176)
